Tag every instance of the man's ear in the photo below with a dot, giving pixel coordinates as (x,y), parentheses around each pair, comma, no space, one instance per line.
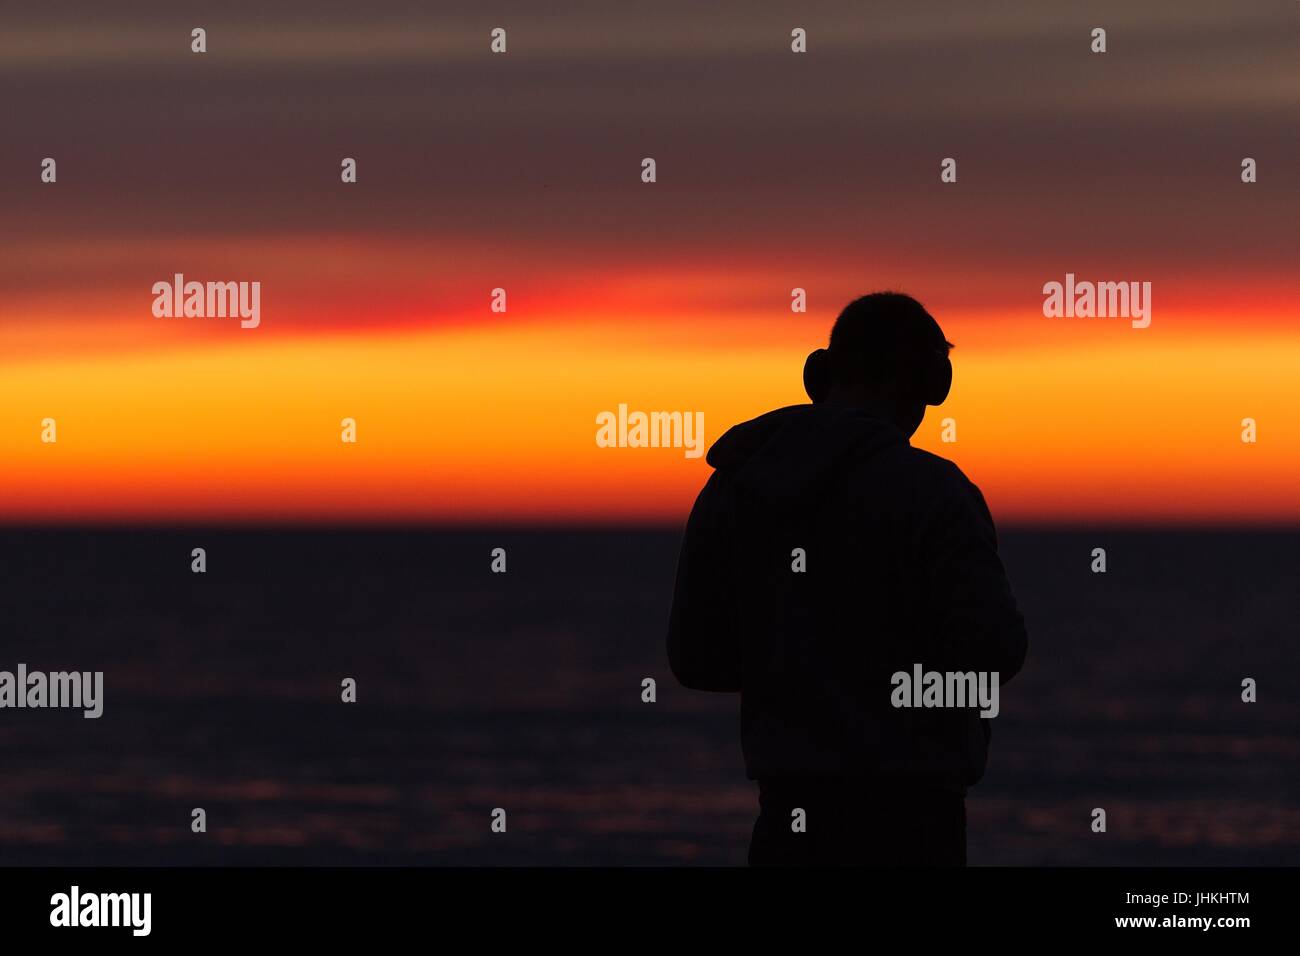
(817,375)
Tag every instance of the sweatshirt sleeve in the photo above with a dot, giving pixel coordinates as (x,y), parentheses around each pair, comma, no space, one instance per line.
(703,643)
(977,623)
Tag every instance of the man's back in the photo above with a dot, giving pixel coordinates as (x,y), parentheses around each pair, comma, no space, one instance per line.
(824,555)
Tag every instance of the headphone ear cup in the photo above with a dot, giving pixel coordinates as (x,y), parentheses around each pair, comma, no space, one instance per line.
(817,375)
(941,381)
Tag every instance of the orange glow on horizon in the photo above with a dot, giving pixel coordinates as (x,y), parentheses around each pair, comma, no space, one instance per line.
(493,420)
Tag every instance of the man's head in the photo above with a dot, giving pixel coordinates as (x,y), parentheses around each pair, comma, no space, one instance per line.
(886,354)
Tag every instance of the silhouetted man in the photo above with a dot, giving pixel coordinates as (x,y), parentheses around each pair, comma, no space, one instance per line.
(826,557)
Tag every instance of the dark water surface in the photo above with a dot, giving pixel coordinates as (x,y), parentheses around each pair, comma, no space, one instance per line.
(523,691)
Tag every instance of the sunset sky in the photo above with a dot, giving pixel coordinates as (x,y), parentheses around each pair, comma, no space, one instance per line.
(522,171)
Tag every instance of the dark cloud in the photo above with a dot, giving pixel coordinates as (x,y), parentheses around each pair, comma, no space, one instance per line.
(826,158)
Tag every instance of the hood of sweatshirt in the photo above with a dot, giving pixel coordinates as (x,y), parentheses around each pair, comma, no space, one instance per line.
(790,451)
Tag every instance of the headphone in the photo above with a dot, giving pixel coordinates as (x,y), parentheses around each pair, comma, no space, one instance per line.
(936,375)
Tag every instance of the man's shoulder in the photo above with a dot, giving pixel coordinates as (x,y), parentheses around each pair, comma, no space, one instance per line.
(929,467)
(938,481)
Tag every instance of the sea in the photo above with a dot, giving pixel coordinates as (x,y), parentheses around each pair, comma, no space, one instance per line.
(523,692)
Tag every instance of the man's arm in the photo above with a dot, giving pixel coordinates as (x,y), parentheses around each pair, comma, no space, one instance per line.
(978,625)
(703,645)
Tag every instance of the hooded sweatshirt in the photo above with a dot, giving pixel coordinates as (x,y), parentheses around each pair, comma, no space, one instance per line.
(899,568)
